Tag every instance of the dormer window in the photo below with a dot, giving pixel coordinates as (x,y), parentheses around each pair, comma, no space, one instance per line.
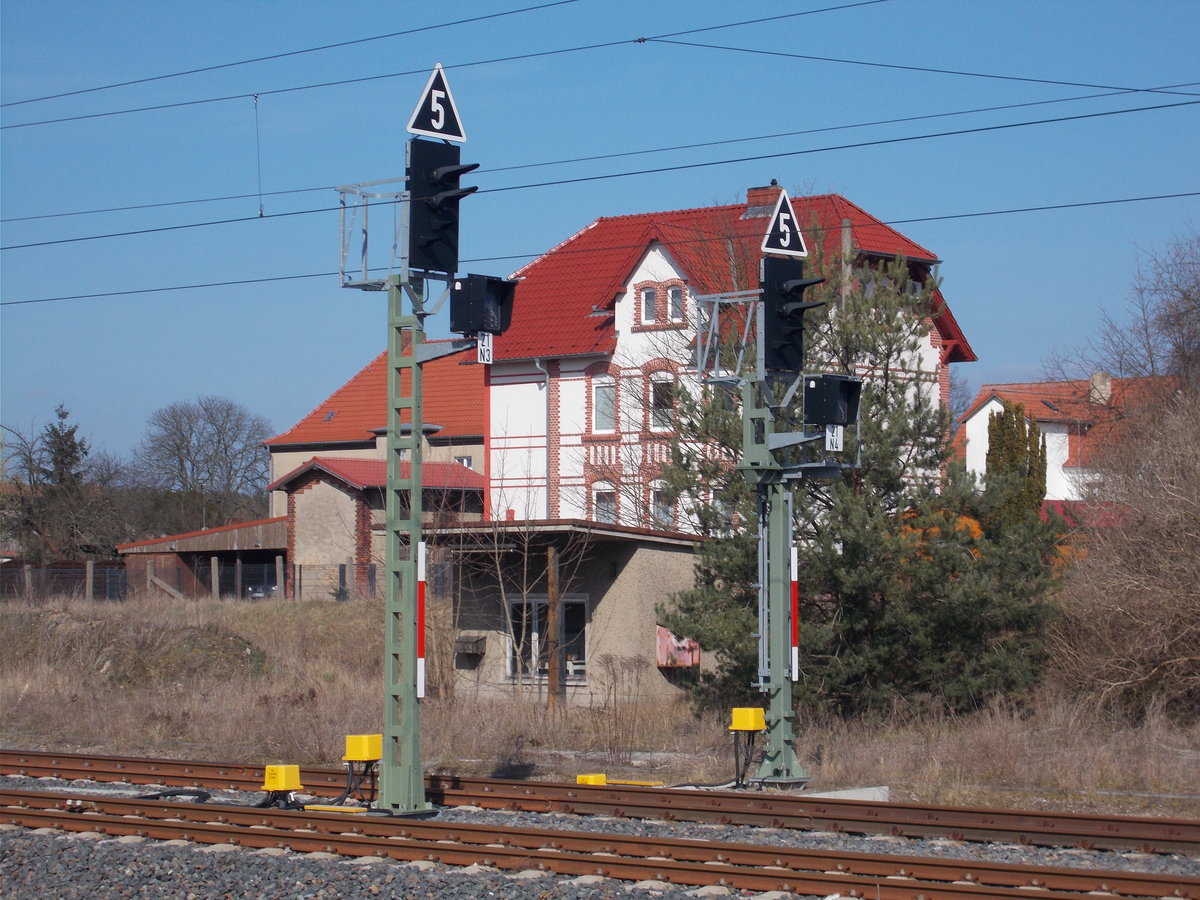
(659,305)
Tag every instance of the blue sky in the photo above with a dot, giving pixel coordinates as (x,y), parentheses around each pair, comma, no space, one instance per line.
(538,91)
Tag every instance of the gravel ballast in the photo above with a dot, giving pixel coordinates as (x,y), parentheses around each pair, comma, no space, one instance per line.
(45,863)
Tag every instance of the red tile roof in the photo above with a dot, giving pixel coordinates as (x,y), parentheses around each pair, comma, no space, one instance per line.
(563,295)
(1093,421)
(365,473)
(454,398)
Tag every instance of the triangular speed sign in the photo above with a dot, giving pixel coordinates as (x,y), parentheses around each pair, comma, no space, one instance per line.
(783,234)
(436,115)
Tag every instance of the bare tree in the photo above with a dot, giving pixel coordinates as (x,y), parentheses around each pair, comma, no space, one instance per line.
(1129,634)
(1159,332)
(209,451)
(1130,625)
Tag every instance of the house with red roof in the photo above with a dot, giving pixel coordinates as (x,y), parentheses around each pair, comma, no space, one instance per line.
(1078,418)
(352,422)
(579,399)
(557,448)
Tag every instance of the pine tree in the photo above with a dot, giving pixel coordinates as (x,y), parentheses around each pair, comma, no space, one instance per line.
(56,510)
(902,594)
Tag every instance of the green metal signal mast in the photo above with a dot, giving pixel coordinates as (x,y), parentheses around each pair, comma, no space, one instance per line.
(426,235)
(769,383)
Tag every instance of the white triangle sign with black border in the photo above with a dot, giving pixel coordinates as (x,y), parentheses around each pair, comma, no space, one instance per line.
(436,115)
(783,235)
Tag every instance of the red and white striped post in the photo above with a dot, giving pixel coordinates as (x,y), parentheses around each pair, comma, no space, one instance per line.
(795,614)
(420,620)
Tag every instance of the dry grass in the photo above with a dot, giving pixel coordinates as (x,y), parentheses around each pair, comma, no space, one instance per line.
(285,682)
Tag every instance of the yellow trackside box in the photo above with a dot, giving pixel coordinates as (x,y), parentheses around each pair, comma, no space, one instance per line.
(748,718)
(363,748)
(591,779)
(282,778)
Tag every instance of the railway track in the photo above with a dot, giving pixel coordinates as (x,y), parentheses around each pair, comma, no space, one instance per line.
(677,861)
(724,807)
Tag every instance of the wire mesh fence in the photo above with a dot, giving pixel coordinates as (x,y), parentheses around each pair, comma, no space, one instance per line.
(99,581)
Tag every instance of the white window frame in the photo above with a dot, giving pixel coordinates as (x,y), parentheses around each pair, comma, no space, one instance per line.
(605,488)
(661,418)
(676,303)
(648,312)
(604,384)
(521,653)
(658,506)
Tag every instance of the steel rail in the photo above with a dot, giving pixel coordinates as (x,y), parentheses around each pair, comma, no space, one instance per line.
(631,858)
(812,813)
(1153,835)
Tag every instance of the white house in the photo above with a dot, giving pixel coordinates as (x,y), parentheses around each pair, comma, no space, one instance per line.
(1078,419)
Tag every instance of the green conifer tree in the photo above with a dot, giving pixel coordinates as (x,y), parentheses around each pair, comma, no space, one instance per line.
(902,595)
(1016,467)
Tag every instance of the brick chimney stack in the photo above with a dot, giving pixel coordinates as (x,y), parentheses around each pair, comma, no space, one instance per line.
(760,201)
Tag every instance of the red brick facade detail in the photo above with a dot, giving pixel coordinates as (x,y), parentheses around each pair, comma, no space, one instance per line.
(554,439)
(662,319)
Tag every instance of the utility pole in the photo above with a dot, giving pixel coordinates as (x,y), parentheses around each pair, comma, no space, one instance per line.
(401,776)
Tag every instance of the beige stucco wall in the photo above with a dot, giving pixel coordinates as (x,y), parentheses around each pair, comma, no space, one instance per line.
(323,537)
(285,461)
(623,583)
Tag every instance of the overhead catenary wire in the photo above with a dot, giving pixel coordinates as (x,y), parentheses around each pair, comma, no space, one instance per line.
(422,71)
(273,56)
(234,283)
(653,171)
(617,154)
(910,68)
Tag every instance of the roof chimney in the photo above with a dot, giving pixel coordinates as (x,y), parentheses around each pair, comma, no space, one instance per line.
(1099,387)
(760,201)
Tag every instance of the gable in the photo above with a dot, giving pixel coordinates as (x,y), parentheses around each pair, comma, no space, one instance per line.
(564,298)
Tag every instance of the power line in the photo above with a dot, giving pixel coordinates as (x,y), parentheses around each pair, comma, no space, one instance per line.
(654,171)
(927,69)
(875,143)
(827,128)
(165,203)
(503,59)
(624,153)
(258,59)
(891,222)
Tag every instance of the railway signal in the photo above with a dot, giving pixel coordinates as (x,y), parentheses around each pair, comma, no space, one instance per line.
(783,285)
(434,193)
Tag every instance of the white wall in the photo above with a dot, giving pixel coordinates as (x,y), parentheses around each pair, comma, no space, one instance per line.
(1061,483)
(517,446)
